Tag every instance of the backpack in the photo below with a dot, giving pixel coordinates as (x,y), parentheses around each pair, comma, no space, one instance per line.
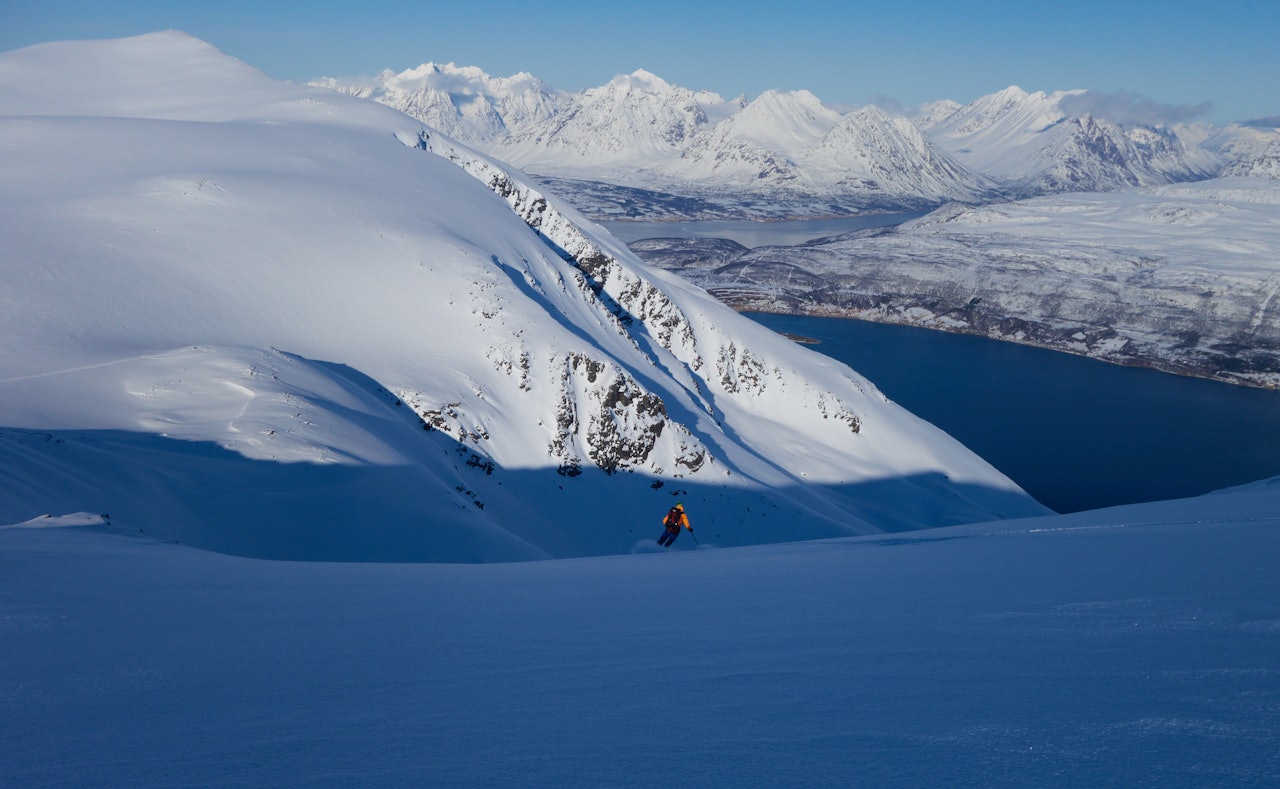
(672,521)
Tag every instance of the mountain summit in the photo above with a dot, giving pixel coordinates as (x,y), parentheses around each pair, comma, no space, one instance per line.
(1032,145)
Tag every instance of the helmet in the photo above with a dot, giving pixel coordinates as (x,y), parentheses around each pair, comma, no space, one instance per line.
(679,505)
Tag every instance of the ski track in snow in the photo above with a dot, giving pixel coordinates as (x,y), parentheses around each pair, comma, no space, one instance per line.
(82,368)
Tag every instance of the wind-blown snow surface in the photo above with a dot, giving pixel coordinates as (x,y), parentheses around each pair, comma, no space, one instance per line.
(1137,646)
(278,321)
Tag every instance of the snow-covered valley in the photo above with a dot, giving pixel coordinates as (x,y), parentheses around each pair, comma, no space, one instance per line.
(1181,278)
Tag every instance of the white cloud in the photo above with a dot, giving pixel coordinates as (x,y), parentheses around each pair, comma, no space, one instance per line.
(1125,107)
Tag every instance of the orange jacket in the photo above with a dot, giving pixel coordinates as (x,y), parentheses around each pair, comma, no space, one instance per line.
(683,520)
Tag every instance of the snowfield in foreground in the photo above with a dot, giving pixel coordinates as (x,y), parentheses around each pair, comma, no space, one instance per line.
(1137,646)
(276,321)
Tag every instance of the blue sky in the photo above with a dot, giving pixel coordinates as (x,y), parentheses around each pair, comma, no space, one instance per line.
(1213,61)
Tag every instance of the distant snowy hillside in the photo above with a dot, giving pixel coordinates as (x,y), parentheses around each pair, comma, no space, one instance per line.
(1264,164)
(1238,142)
(1183,277)
(279,321)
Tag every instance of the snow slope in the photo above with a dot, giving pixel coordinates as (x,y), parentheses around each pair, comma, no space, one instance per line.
(1136,646)
(278,321)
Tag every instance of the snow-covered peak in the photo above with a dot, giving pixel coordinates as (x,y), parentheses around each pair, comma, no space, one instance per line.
(1029,143)
(307,313)
(638,81)
(988,127)
(888,153)
(759,144)
(931,114)
(449,76)
(464,102)
(874,120)
(788,121)
(635,117)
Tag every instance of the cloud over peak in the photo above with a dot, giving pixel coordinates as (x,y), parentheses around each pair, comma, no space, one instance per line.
(1126,107)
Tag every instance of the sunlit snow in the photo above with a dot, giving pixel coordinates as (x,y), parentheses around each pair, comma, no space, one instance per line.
(278,321)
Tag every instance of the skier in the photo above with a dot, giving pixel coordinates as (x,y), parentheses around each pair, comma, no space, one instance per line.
(673,521)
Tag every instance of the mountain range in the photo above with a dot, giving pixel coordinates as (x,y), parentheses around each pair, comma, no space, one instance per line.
(784,153)
(1053,224)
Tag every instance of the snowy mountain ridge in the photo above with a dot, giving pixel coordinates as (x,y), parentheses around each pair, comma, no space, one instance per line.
(638,131)
(278,321)
(462,101)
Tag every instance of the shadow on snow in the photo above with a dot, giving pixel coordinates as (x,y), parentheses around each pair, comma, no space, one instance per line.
(435,509)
